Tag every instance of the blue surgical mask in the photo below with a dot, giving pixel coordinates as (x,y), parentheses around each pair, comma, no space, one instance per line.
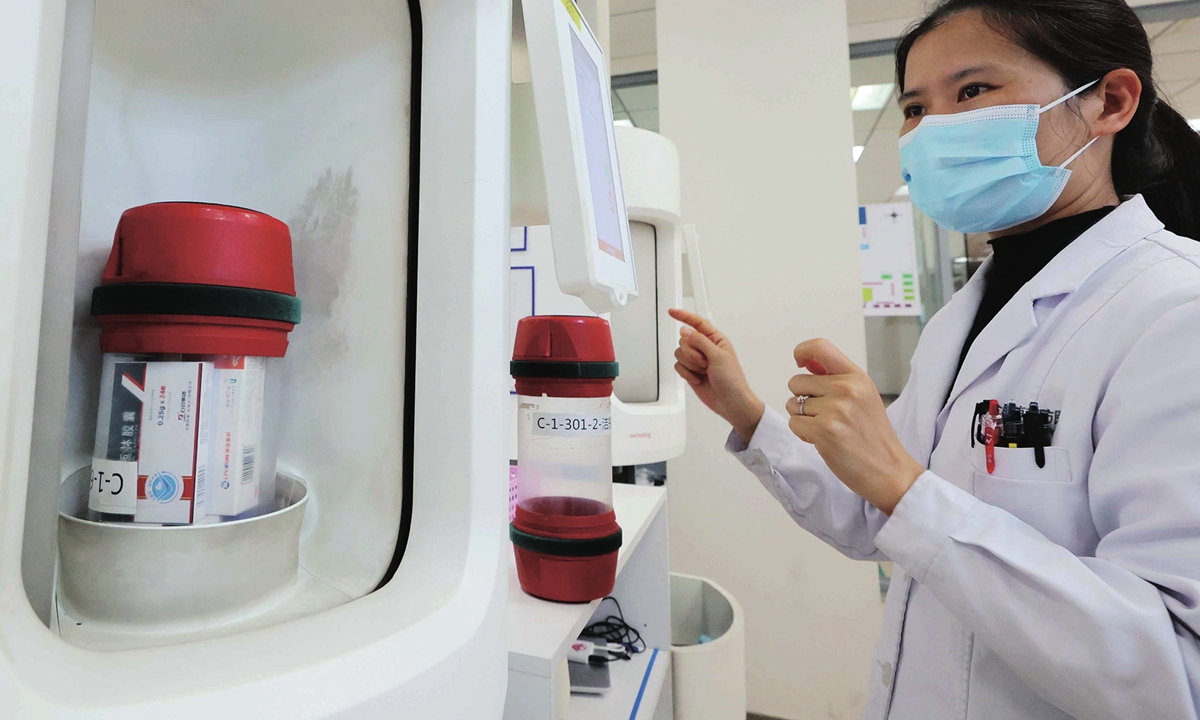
(979,171)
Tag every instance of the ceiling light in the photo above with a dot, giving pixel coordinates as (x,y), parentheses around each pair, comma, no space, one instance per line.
(901,191)
(1195,124)
(858,151)
(623,122)
(872,97)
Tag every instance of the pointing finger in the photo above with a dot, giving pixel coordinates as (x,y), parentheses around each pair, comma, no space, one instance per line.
(699,322)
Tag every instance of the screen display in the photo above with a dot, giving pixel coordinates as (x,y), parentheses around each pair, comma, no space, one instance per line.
(599,156)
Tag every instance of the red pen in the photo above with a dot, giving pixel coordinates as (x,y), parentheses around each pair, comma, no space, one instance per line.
(991,433)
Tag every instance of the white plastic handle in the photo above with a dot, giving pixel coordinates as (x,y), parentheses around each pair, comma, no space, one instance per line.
(695,269)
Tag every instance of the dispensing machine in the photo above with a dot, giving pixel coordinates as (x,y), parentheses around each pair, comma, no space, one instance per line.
(648,410)
(378,131)
(587,391)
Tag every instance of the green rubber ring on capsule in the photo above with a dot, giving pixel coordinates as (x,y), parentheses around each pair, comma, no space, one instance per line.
(589,547)
(564,370)
(188,299)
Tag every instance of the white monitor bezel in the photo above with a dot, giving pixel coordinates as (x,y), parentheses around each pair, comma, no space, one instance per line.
(584,270)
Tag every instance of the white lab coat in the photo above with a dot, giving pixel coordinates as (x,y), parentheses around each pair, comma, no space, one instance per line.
(1068,591)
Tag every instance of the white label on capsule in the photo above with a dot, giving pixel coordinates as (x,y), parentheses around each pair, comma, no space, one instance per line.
(571,424)
(114,486)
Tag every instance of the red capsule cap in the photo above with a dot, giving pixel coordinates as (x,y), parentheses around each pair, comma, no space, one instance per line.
(566,579)
(564,338)
(194,278)
(201,244)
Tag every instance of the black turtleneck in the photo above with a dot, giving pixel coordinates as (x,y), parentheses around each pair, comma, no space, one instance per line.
(1017,258)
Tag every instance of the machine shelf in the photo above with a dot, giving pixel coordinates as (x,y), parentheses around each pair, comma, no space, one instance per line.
(539,631)
(637,687)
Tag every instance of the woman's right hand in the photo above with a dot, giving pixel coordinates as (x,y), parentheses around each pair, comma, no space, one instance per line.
(706,360)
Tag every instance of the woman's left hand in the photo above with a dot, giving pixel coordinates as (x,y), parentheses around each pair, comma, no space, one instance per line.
(844,417)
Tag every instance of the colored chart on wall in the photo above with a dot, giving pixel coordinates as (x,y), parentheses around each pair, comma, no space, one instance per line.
(888,252)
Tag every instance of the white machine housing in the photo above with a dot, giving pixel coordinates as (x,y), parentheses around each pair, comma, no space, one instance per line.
(269,103)
(586,205)
(648,408)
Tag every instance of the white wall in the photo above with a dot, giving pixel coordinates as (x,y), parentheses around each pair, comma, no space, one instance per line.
(755,97)
(878,19)
(633,41)
(596,12)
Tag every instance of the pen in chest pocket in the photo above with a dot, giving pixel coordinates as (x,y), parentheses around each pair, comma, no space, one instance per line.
(991,433)
(1013,427)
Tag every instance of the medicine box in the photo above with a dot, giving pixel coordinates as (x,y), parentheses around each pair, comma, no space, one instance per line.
(151,446)
(237,418)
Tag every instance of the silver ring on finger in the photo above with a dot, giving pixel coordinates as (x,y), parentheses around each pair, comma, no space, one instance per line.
(800,401)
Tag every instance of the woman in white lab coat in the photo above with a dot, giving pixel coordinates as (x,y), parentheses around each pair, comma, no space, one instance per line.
(1040,572)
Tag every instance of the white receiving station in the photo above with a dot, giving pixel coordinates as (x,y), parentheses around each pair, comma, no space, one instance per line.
(380,131)
(560,265)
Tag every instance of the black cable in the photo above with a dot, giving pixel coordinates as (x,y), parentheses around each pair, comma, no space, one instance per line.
(614,629)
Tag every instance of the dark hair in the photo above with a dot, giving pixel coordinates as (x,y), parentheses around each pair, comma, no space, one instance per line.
(1158,153)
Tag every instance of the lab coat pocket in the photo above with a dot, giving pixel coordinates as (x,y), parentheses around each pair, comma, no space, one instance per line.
(1021,464)
(1047,498)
